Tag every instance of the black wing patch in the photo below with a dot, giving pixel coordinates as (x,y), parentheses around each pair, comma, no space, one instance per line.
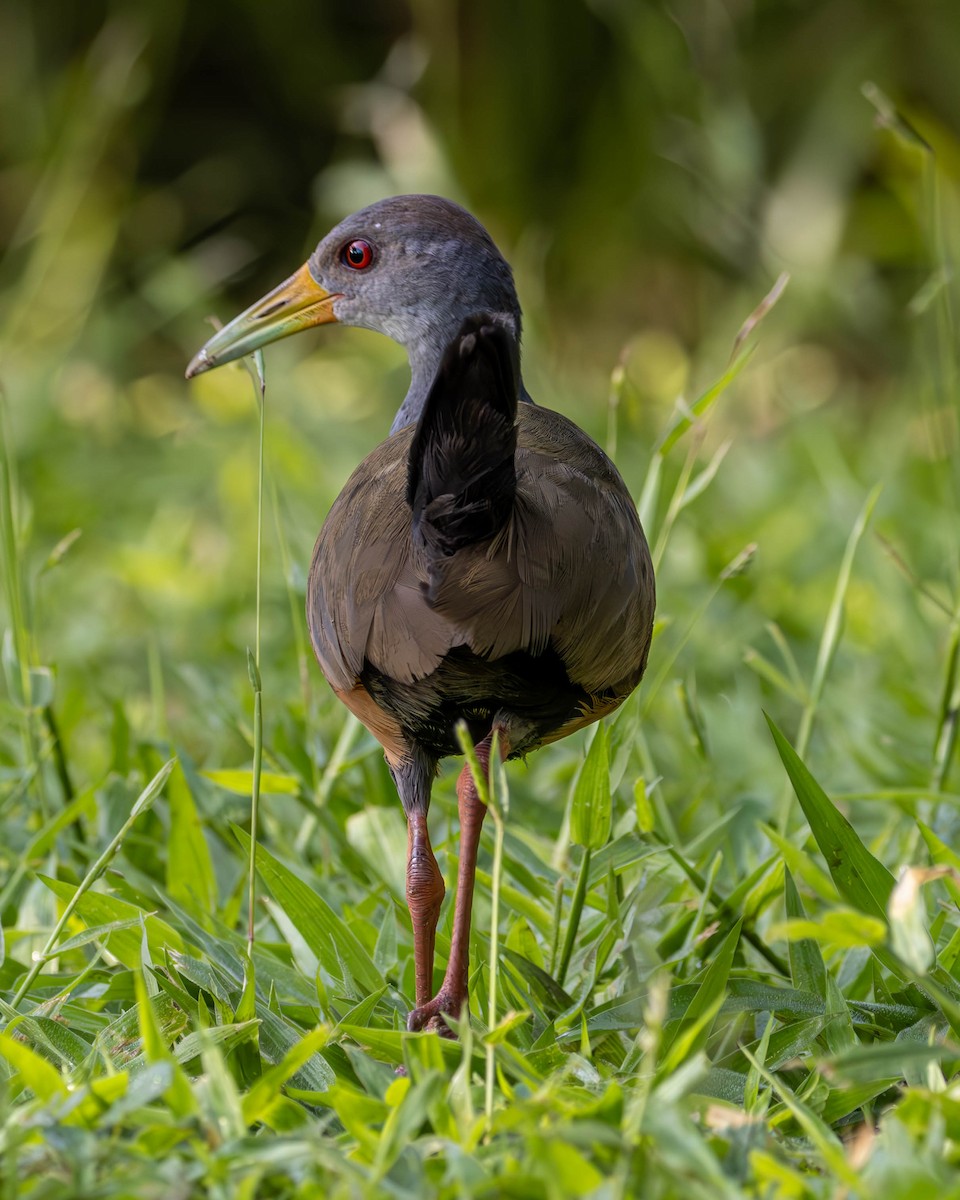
(462,479)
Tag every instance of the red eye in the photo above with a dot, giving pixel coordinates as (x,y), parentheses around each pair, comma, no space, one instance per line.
(357,254)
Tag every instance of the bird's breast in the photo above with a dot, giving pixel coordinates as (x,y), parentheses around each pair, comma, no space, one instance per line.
(568,574)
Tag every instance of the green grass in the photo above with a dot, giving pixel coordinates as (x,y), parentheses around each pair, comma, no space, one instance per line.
(714,955)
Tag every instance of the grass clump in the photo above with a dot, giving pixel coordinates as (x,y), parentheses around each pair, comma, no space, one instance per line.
(714,955)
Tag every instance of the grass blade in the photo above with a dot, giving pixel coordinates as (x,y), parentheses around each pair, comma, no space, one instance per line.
(142,804)
(327,935)
(830,638)
(861,879)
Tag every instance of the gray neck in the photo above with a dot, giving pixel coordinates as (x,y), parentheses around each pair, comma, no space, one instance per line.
(425,356)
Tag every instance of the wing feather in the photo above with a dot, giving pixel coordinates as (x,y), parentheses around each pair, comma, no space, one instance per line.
(571,567)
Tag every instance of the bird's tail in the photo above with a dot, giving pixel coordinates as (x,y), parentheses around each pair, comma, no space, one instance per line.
(462,478)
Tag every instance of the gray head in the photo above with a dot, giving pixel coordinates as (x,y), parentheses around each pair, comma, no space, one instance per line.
(412,267)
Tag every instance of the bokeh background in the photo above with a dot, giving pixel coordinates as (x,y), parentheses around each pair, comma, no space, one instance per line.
(650,169)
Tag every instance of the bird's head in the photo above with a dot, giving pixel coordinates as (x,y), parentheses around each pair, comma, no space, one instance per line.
(412,267)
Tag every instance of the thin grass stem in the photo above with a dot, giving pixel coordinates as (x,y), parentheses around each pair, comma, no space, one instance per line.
(496,792)
(296,624)
(253,666)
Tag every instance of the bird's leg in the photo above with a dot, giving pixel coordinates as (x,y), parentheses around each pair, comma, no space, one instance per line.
(424,897)
(453,991)
(413,775)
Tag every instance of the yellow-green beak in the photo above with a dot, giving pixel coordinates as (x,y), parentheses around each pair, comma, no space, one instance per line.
(296,304)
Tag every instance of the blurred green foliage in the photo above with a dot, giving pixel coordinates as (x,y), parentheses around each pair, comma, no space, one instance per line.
(650,169)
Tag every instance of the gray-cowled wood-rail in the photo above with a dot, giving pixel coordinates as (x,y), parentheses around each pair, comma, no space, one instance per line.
(484,564)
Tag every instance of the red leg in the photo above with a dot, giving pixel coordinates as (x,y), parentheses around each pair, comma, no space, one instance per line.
(453,991)
(424,897)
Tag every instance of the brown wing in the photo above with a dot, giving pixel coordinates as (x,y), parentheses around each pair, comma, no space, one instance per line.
(571,566)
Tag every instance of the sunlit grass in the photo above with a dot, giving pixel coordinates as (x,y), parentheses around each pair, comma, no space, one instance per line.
(697,967)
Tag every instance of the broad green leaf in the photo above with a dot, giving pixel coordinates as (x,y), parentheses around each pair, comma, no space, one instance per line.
(707,999)
(122,1040)
(55,1038)
(723,1085)
(327,935)
(205,975)
(504,1027)
(590,813)
(518,901)
(100,909)
(263,1093)
(226,1037)
(617,856)
(844,1100)
(278,1038)
(564,1161)
(362,1115)
(388,1044)
(241,782)
(35,1072)
(97,933)
(146,1086)
(554,998)
(861,879)
(385,950)
(801,863)
(378,833)
(190,876)
(157,1051)
(883,1060)
(788,1043)
(742,995)
(806,962)
(843,927)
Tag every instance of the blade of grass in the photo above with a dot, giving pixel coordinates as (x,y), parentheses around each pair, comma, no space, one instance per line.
(143,804)
(21,640)
(736,566)
(832,628)
(822,1137)
(492,789)
(692,1031)
(327,934)
(253,662)
(860,878)
(702,405)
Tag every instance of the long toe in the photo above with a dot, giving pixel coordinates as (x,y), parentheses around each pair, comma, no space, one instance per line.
(429,1017)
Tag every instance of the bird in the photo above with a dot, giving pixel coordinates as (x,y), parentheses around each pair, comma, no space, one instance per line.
(484,567)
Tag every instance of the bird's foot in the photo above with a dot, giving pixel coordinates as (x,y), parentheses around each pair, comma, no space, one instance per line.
(428,1018)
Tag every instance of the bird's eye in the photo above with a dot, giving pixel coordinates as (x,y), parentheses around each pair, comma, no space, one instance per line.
(357,254)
